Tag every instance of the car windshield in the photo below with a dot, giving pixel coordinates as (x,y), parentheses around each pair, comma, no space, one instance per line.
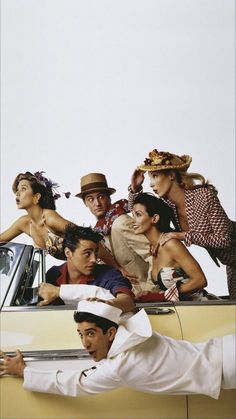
(6,262)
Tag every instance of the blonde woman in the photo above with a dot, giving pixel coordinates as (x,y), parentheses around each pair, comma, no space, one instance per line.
(198,212)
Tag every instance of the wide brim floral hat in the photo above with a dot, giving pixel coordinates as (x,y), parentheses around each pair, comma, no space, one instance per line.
(162,160)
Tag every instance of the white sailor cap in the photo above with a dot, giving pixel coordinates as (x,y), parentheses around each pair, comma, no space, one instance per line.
(100,309)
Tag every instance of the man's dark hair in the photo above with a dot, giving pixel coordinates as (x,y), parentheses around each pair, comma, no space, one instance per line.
(73,234)
(101,322)
(154,206)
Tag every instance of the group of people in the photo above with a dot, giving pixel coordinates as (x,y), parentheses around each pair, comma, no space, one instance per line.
(124,258)
(145,237)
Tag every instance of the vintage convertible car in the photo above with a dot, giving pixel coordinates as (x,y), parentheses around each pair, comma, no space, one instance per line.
(48,338)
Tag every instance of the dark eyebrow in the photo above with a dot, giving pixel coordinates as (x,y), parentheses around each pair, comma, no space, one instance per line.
(89,249)
(94,196)
(86,249)
(93,329)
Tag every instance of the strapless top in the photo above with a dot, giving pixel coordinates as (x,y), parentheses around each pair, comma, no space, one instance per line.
(168,276)
(53,242)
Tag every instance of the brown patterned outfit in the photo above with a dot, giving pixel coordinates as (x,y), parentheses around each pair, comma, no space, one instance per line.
(209,227)
(131,251)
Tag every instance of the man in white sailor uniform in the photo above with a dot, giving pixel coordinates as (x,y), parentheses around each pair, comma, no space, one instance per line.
(128,353)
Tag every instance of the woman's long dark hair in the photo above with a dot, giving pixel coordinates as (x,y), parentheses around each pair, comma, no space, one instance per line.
(154,205)
(46,200)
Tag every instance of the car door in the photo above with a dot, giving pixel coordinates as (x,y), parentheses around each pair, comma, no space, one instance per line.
(48,339)
(199,322)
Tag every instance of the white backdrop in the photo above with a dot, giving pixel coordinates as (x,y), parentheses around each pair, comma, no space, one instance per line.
(94,85)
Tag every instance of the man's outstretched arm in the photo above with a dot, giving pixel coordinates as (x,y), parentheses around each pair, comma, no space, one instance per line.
(68,382)
(122,301)
(12,365)
(74,293)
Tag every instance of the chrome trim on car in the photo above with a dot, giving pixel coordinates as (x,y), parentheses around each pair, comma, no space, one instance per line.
(52,355)
(163,308)
(223,302)
(37,308)
(159,310)
(43,265)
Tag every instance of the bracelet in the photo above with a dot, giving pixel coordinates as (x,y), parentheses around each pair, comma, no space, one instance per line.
(137,192)
(178,284)
(181,294)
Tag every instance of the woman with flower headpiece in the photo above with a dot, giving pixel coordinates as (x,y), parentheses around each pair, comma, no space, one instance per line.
(37,194)
(199,215)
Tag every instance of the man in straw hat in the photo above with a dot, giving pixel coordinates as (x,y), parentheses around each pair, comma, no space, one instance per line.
(81,277)
(113,222)
(130,354)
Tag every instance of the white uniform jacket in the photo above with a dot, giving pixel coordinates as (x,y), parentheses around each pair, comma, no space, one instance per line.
(142,360)
(73,293)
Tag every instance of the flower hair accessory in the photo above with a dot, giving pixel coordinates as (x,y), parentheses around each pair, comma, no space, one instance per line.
(48,183)
(163,160)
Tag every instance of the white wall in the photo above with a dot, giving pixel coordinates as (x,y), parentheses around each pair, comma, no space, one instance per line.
(94,85)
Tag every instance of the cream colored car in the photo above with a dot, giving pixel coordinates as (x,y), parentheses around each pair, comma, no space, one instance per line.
(48,338)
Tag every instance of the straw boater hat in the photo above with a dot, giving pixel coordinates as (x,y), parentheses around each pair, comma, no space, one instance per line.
(100,309)
(94,182)
(162,160)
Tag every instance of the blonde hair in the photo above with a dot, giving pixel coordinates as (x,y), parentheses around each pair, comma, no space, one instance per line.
(189,180)
(185,179)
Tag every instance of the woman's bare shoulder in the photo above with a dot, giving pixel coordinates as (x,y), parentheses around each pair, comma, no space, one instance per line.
(50,214)
(173,245)
(23,220)
(20,225)
(54,220)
